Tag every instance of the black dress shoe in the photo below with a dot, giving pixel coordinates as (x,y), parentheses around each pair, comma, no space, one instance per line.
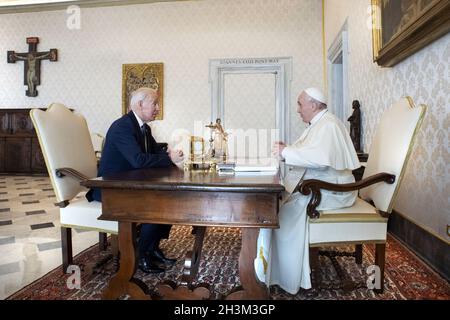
(147,266)
(157,256)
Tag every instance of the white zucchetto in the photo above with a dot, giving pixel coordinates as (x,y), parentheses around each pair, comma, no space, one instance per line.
(316,94)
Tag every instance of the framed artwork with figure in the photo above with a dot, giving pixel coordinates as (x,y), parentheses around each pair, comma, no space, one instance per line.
(149,75)
(402,27)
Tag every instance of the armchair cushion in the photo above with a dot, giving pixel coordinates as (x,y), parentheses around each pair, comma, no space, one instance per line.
(360,222)
(84,214)
(360,207)
(350,232)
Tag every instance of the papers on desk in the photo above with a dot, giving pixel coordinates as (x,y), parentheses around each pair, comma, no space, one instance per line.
(267,166)
(256,165)
(254,173)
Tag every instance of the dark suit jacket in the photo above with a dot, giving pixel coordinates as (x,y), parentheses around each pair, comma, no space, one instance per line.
(124,150)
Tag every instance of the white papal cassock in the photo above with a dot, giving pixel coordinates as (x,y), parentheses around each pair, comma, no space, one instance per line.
(325,152)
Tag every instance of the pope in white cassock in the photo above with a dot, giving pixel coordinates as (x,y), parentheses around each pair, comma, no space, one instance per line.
(324,152)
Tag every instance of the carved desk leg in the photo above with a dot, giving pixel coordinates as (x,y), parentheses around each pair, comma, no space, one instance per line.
(124,282)
(252,288)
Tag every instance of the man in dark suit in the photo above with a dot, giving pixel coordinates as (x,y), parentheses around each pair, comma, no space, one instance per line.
(130,145)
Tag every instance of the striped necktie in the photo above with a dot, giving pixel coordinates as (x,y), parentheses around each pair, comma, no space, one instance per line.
(144,133)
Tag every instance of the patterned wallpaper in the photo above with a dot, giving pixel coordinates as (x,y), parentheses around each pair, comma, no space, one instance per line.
(182,35)
(425,193)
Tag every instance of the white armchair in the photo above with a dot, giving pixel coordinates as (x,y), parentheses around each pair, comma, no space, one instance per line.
(366,221)
(98,141)
(70,158)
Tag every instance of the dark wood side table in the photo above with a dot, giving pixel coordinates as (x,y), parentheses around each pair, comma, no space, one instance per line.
(20,152)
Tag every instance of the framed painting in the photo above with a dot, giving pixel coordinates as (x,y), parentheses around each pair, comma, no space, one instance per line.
(402,27)
(135,76)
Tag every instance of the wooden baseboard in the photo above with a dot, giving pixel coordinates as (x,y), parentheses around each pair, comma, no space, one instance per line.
(433,250)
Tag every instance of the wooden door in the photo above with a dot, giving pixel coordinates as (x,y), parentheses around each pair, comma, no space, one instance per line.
(2,155)
(21,123)
(4,123)
(18,155)
(37,158)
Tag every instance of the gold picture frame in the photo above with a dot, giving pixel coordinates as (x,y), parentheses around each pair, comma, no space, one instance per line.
(401,28)
(197,148)
(149,75)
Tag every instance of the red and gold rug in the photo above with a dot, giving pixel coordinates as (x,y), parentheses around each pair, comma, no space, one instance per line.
(406,277)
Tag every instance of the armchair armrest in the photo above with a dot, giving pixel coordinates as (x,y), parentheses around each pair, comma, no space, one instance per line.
(313,186)
(61,172)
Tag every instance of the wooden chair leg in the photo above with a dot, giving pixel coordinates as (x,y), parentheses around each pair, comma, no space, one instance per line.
(102,241)
(358,253)
(105,258)
(380,253)
(115,251)
(138,229)
(314,257)
(66,245)
(314,263)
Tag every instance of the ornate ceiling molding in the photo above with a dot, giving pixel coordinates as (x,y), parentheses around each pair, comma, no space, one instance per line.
(19,6)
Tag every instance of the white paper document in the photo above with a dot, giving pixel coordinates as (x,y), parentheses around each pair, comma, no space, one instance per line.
(268,165)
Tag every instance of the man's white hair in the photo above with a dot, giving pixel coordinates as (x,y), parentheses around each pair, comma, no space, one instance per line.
(141,94)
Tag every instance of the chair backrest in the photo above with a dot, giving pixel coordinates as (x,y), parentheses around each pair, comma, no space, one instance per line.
(98,142)
(65,143)
(391,149)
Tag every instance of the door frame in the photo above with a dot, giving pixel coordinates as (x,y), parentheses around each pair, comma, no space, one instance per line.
(280,66)
(337,48)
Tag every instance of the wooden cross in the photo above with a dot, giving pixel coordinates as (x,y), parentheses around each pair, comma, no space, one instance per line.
(32,59)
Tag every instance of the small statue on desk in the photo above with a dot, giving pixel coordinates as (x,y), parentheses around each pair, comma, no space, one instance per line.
(355,126)
(218,140)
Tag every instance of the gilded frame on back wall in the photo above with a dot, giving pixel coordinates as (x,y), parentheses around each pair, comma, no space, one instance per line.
(401,28)
(149,75)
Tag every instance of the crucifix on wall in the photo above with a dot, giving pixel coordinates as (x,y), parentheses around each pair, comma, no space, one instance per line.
(32,60)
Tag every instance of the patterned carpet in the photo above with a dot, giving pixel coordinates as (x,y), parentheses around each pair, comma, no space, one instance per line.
(406,276)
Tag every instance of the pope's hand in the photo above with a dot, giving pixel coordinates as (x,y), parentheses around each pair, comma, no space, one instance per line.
(278,148)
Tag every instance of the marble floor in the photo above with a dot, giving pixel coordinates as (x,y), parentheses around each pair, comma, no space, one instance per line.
(30,240)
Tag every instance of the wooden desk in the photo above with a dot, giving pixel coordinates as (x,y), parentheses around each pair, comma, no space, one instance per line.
(174,196)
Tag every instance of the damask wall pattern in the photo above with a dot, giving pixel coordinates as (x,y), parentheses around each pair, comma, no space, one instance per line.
(425,76)
(182,35)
